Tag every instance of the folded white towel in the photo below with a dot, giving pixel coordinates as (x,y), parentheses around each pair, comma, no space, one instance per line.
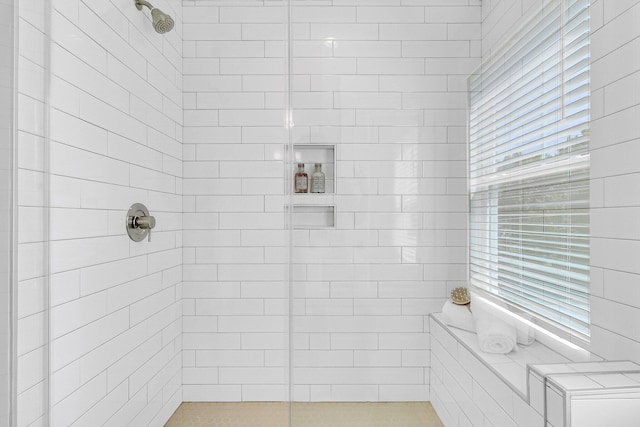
(525,334)
(458,316)
(494,334)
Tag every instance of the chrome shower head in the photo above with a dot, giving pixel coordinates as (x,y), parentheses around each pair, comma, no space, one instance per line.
(162,22)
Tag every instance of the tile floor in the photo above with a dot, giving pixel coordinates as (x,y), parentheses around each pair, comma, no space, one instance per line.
(276,414)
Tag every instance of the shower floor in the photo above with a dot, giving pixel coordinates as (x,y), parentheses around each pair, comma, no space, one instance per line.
(275,414)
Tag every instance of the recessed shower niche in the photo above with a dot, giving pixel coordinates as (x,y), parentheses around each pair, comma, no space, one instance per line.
(310,154)
(315,210)
(314,216)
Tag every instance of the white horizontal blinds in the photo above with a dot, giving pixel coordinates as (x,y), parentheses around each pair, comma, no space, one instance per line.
(529,168)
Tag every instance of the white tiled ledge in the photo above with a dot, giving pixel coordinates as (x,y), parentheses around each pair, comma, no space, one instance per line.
(531,387)
(511,367)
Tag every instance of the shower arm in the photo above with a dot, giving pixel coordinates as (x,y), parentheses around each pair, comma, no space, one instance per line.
(140,3)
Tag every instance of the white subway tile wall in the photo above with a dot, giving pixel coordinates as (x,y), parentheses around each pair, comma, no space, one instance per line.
(235,257)
(615,175)
(384,82)
(115,115)
(7,167)
(32,312)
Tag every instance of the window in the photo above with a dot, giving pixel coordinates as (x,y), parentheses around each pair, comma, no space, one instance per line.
(529,169)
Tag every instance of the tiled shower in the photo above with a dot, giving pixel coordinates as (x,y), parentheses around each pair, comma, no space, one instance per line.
(378,95)
(247,291)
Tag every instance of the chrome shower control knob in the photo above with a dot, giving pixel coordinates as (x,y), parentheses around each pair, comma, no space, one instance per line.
(139,222)
(145,222)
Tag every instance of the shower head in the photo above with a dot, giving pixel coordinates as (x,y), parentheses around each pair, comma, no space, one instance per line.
(162,22)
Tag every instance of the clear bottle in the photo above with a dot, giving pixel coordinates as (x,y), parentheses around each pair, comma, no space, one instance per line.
(317,180)
(301,180)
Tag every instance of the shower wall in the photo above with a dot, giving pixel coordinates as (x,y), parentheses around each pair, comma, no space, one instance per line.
(385,84)
(7,255)
(615,179)
(235,293)
(100,109)
(32,314)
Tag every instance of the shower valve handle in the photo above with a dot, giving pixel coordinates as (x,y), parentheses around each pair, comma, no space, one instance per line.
(140,223)
(144,223)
